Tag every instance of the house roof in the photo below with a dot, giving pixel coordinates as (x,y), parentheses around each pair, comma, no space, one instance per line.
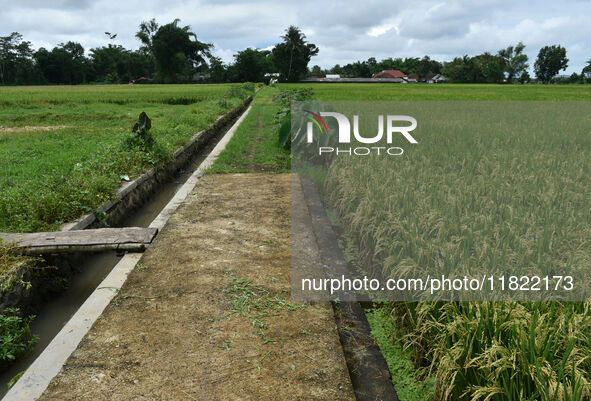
(413,76)
(390,74)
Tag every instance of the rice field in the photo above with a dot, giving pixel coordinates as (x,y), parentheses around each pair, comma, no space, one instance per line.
(495,186)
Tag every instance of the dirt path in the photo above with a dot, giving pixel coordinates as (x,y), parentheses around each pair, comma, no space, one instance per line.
(206,314)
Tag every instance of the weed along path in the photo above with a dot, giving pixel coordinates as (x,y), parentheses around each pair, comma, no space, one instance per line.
(206,314)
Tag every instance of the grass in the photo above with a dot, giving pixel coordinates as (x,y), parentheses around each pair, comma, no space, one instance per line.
(337,92)
(254,146)
(61,148)
(491,186)
(400,362)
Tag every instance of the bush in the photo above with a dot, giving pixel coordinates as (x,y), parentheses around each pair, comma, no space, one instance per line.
(282,119)
(14,269)
(248,87)
(15,335)
(239,92)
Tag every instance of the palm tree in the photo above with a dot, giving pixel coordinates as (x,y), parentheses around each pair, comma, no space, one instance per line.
(146,34)
(295,41)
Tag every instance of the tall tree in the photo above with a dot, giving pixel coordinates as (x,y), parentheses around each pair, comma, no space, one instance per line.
(551,60)
(372,64)
(427,66)
(146,34)
(175,50)
(115,64)
(316,70)
(177,53)
(251,65)
(484,68)
(361,69)
(16,61)
(490,67)
(586,72)
(217,70)
(64,64)
(293,54)
(515,61)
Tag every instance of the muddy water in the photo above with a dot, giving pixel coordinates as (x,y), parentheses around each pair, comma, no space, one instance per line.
(55,313)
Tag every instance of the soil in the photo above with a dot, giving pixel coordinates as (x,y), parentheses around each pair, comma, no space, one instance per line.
(206,314)
(30,128)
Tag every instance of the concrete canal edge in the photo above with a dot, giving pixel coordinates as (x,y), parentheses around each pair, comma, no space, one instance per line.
(368,369)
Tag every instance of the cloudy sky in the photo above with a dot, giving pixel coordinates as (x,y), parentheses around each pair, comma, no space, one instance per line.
(344,31)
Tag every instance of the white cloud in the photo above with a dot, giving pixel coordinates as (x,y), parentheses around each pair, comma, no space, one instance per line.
(382,29)
(344,31)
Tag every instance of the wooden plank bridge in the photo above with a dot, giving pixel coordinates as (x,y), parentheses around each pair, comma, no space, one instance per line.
(94,240)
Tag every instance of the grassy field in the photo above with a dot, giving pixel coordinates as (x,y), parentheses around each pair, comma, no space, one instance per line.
(494,187)
(63,149)
(253,148)
(332,92)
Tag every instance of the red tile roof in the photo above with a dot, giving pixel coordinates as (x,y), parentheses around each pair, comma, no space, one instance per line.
(390,74)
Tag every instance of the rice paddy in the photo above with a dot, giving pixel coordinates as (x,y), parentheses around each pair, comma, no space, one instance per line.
(496,186)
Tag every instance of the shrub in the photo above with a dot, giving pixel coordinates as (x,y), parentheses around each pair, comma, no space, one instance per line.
(238,92)
(15,335)
(14,268)
(282,119)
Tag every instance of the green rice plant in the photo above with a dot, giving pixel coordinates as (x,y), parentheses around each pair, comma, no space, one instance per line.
(507,191)
(420,92)
(501,351)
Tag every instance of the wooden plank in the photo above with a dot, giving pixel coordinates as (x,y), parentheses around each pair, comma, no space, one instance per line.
(128,238)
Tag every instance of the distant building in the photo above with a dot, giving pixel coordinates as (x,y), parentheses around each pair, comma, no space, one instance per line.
(355,80)
(140,80)
(390,74)
(434,78)
(413,78)
(201,76)
(333,76)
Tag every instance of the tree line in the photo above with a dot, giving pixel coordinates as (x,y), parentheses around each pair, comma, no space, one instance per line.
(509,65)
(169,53)
(172,53)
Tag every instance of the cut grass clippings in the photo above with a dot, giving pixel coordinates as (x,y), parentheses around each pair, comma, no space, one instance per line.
(255,303)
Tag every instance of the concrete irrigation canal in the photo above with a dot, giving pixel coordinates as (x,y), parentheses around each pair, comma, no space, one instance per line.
(176,329)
